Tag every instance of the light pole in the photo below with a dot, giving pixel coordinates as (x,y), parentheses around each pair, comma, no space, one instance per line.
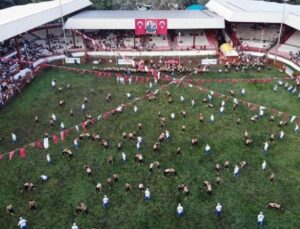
(261,43)
(29,65)
(62,26)
(280,30)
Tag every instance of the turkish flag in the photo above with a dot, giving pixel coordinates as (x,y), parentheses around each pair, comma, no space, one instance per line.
(55,139)
(10,155)
(162,26)
(39,144)
(140,28)
(22,153)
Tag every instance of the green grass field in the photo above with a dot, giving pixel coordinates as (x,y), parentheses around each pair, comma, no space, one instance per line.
(242,198)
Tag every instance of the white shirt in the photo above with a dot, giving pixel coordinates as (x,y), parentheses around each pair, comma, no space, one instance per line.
(222,109)
(83,106)
(13,137)
(173,116)
(128,95)
(53,117)
(264,165)
(235,101)
(74,226)
(138,145)
(207,147)
(293,118)
(135,109)
(296,127)
(261,112)
(193,102)
(243,91)
(139,139)
(266,146)
(281,134)
(212,117)
(167,134)
(124,156)
(22,223)
(181,99)
(219,207)
(62,125)
(44,177)
(105,200)
(53,83)
(260,217)
(48,157)
(223,103)
(179,209)
(236,169)
(75,142)
(150,85)
(147,193)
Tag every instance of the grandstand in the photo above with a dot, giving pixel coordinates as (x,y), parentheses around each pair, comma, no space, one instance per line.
(107,33)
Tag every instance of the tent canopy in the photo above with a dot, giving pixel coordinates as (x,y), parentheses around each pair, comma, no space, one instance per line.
(19,19)
(256,11)
(196,7)
(228,50)
(125,19)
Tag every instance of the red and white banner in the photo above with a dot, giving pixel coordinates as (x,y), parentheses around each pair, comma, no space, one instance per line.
(140,27)
(162,26)
(151,26)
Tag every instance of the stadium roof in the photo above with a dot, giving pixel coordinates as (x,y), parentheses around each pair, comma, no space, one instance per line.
(109,19)
(19,19)
(256,11)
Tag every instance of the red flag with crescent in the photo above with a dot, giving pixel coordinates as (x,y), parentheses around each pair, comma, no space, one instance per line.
(22,152)
(140,28)
(162,26)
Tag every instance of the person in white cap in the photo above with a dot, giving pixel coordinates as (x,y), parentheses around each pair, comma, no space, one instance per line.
(179,210)
(62,126)
(207,149)
(53,83)
(128,95)
(218,210)
(172,116)
(53,116)
(193,103)
(147,196)
(266,146)
(167,134)
(261,112)
(181,99)
(139,139)
(281,134)
(212,118)
(260,219)
(222,109)
(13,138)
(22,223)
(105,201)
(264,165)
(124,157)
(74,226)
(82,107)
(76,143)
(48,158)
(44,178)
(243,92)
(236,171)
